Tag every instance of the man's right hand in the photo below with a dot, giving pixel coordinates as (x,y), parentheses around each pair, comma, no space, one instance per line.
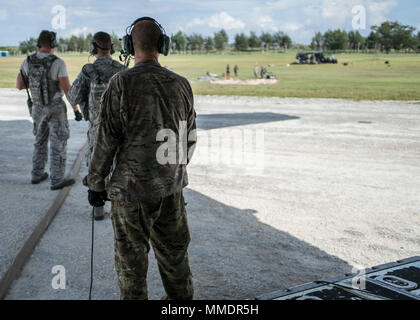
(97,199)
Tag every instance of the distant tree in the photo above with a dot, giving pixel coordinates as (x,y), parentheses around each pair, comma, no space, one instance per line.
(195,42)
(356,40)
(282,40)
(253,40)
(81,44)
(241,42)
(317,41)
(179,41)
(114,38)
(208,44)
(392,35)
(220,40)
(224,35)
(372,41)
(63,44)
(28,46)
(418,40)
(336,39)
(404,38)
(267,38)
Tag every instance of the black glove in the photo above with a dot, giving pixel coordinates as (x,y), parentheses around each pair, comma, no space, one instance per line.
(78,115)
(97,199)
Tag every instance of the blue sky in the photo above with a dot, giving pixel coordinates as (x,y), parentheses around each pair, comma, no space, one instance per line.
(300,19)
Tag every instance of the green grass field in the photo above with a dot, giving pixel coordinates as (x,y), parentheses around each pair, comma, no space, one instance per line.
(366,78)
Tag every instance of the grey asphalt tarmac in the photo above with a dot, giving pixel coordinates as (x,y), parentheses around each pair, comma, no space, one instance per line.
(337,188)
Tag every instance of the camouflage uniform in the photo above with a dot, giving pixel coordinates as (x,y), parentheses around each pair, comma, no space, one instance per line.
(82,92)
(49,114)
(147,199)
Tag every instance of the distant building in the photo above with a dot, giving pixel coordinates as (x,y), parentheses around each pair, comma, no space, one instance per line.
(4,53)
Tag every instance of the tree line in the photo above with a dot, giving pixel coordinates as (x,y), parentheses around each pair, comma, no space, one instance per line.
(385,38)
(72,44)
(183,43)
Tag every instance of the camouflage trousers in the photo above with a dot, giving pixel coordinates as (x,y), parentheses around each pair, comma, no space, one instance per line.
(50,123)
(164,223)
(91,142)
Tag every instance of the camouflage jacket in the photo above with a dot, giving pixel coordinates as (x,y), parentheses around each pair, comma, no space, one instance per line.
(87,89)
(147,112)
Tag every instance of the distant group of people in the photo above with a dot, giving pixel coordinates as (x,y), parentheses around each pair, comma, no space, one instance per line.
(262,72)
(235,70)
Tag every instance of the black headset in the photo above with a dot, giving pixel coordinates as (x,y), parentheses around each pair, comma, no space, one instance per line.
(53,43)
(94,48)
(163,44)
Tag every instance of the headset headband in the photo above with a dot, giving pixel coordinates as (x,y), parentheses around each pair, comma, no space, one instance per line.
(53,41)
(127,49)
(149,19)
(97,45)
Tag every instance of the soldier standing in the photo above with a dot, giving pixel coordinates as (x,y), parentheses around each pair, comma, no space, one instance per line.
(89,86)
(143,109)
(256,70)
(236,69)
(46,76)
(228,71)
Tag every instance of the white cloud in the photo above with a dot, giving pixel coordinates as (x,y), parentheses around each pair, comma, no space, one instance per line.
(261,19)
(378,11)
(3,15)
(196,21)
(78,31)
(291,26)
(84,12)
(265,22)
(282,5)
(223,20)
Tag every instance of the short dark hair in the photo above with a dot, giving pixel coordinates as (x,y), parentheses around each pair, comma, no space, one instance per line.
(103,40)
(46,38)
(146,36)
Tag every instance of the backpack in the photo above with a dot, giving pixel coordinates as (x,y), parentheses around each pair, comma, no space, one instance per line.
(42,87)
(98,84)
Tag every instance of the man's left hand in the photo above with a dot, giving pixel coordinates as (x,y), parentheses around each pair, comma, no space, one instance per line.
(78,115)
(97,199)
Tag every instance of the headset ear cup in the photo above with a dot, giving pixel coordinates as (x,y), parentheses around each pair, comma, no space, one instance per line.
(160,44)
(92,49)
(166,44)
(54,43)
(130,46)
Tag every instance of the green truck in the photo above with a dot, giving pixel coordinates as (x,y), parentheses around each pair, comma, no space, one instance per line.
(314,57)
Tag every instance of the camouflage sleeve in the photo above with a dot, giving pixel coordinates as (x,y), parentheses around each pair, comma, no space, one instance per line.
(79,90)
(108,136)
(191,124)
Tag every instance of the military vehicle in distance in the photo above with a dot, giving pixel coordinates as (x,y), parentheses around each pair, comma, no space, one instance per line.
(314,57)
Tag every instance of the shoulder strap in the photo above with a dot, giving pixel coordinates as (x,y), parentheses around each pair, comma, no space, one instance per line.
(118,65)
(33,58)
(48,61)
(88,72)
(99,74)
